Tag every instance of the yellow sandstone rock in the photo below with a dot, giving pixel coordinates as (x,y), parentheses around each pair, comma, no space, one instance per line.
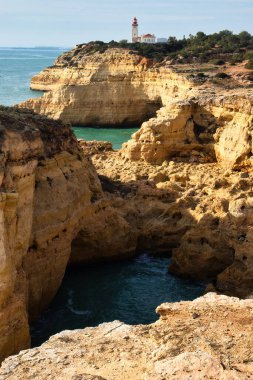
(50,193)
(113,88)
(209,338)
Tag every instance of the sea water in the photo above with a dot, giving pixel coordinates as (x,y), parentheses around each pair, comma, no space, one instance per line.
(128,290)
(19,65)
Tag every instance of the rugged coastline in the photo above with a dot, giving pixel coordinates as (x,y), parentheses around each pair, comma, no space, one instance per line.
(182,184)
(209,338)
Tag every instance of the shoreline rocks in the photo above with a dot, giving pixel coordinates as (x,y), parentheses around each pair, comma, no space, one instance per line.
(210,337)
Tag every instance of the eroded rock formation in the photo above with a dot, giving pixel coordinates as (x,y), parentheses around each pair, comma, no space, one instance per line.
(113,88)
(199,211)
(182,184)
(50,193)
(215,128)
(209,338)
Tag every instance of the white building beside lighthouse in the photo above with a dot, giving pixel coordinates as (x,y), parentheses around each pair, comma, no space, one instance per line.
(148,38)
(145,38)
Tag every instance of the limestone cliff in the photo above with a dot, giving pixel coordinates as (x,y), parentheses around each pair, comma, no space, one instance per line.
(199,211)
(182,184)
(49,194)
(207,129)
(169,182)
(209,338)
(118,87)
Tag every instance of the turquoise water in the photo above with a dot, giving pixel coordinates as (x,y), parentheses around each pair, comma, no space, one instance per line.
(128,291)
(117,137)
(18,66)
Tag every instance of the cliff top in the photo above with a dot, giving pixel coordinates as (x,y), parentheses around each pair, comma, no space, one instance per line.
(224,55)
(179,346)
(55,135)
(216,47)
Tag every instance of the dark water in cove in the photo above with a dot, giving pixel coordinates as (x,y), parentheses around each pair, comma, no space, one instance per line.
(128,291)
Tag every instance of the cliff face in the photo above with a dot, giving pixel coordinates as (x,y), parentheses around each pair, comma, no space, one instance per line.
(182,184)
(200,211)
(217,128)
(209,338)
(113,88)
(49,194)
(155,182)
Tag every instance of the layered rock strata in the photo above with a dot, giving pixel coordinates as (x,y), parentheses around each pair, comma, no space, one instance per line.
(208,129)
(182,184)
(199,211)
(115,88)
(209,338)
(50,193)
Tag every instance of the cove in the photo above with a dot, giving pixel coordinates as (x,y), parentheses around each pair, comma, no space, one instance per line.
(117,136)
(128,291)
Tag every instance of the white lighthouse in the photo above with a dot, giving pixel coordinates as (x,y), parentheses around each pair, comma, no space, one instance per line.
(135,30)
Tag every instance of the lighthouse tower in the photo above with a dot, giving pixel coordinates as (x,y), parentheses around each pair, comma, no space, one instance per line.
(135,30)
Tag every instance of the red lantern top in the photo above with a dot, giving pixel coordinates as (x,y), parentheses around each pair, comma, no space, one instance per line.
(135,22)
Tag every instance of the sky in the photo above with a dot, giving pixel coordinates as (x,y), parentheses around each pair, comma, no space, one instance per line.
(66,23)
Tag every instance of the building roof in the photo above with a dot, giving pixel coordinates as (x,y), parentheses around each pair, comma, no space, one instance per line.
(148,35)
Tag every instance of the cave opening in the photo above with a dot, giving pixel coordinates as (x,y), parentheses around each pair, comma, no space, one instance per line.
(117,134)
(127,290)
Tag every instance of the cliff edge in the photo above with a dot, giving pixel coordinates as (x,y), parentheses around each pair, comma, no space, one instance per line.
(49,194)
(209,338)
(116,88)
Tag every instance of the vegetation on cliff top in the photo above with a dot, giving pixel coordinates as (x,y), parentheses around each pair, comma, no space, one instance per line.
(214,48)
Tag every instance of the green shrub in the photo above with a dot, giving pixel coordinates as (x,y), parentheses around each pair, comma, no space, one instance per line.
(222,76)
(216,48)
(201,75)
(249,65)
(218,62)
(249,55)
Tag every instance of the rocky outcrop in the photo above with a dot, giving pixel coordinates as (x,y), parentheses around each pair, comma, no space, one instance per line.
(209,338)
(200,130)
(182,184)
(200,212)
(95,147)
(50,196)
(118,87)
(185,118)
(170,183)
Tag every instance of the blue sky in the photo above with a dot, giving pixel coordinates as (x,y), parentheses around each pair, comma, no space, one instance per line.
(68,22)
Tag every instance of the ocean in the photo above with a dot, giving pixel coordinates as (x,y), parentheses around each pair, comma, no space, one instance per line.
(17,67)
